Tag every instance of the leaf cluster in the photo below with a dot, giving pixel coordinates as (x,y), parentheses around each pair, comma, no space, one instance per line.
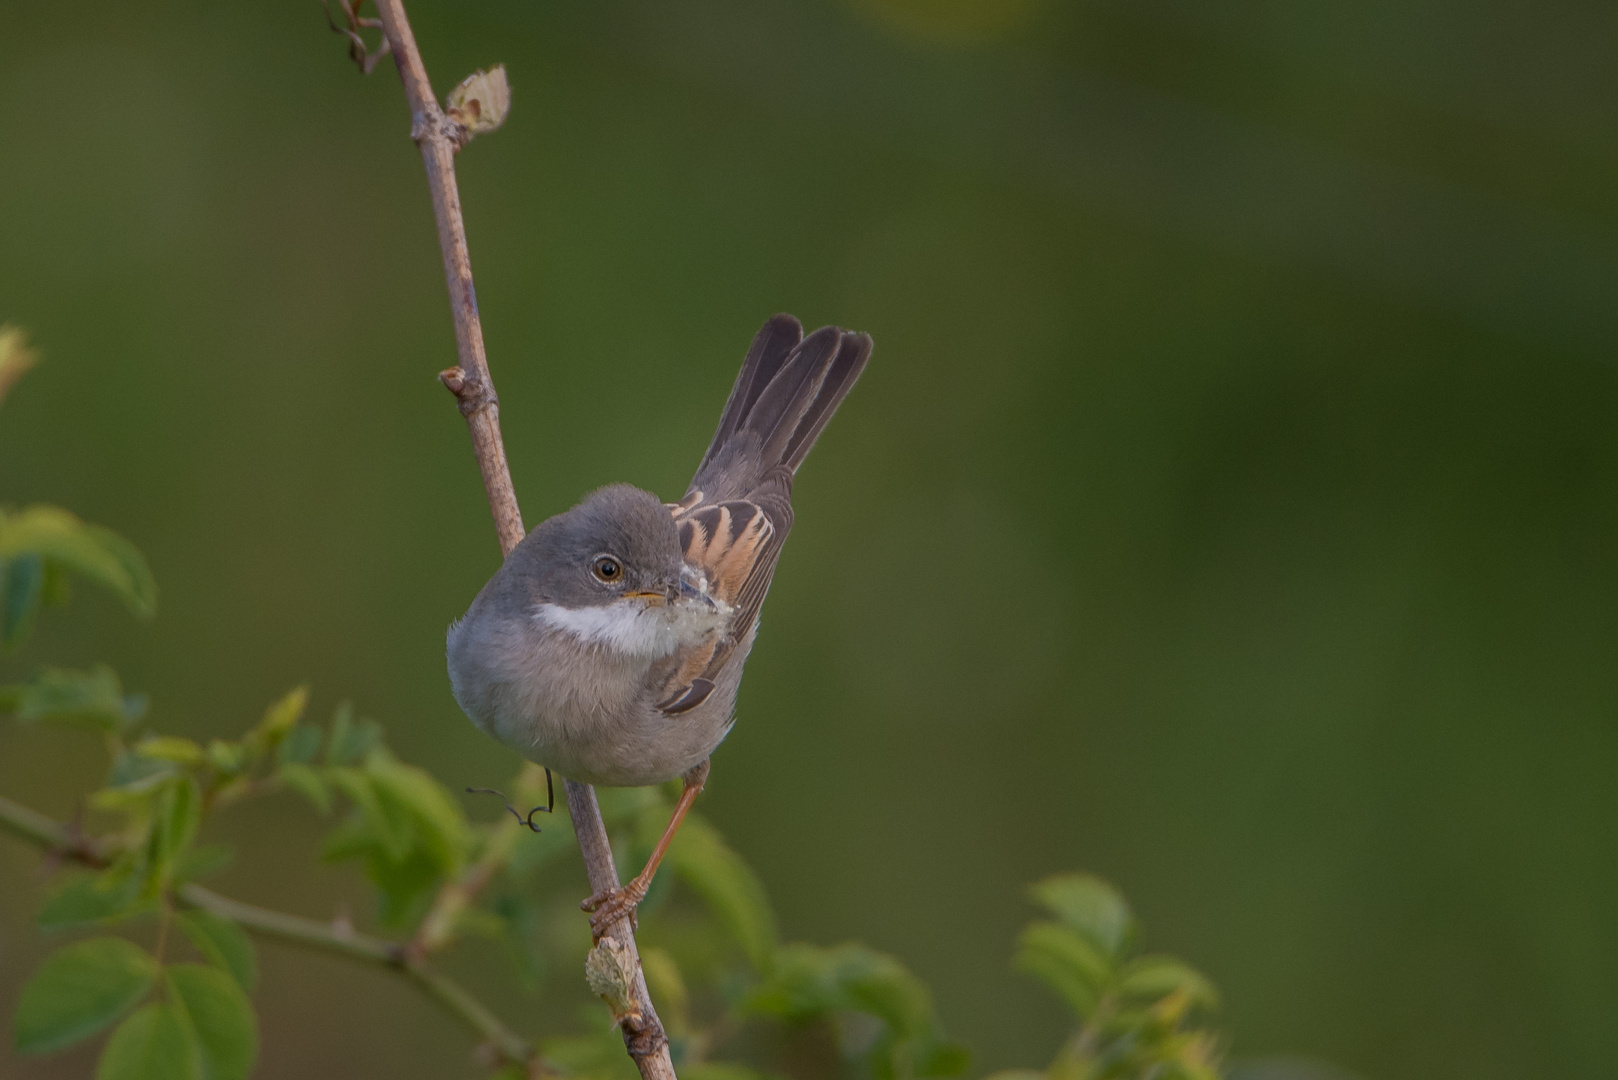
(1133,1011)
(42,547)
(189,1020)
(178,1021)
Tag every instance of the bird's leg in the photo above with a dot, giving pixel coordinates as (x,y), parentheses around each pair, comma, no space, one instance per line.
(610,905)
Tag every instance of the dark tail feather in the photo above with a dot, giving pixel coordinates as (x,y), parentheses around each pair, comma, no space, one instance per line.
(853,350)
(784,396)
(780,409)
(771,346)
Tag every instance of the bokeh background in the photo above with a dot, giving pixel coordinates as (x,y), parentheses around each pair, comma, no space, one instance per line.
(1229,507)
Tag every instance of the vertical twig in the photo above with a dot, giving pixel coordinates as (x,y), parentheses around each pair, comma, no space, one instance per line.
(439,137)
(643,1031)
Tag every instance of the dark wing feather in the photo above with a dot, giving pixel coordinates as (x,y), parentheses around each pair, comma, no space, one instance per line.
(688,697)
(736,544)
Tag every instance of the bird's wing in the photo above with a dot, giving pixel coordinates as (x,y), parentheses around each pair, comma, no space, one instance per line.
(736,543)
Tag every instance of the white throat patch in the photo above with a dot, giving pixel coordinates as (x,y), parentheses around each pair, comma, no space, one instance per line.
(633,629)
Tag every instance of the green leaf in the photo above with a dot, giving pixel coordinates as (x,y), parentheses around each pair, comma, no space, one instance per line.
(93,698)
(84,899)
(79,990)
(226,757)
(880,985)
(223,943)
(301,744)
(22,587)
(403,887)
(89,550)
(351,741)
(808,981)
(170,748)
(1067,961)
(1155,977)
(392,833)
(221,1019)
(402,883)
(153,1044)
(801,986)
(308,783)
(726,884)
(202,860)
(179,811)
(440,823)
(136,774)
(280,717)
(1090,906)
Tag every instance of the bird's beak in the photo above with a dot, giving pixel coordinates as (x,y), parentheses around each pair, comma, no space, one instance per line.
(652,598)
(691,587)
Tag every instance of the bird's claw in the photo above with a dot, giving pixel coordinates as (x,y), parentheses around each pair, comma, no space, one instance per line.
(610,905)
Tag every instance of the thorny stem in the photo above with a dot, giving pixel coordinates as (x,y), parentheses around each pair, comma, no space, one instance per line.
(439,137)
(337,939)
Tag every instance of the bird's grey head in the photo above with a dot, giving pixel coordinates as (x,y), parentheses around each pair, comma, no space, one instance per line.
(619,544)
(610,573)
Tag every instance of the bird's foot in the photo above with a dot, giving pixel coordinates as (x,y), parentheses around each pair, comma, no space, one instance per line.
(610,905)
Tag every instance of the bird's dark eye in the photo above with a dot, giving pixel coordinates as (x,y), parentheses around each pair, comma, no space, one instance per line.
(608,569)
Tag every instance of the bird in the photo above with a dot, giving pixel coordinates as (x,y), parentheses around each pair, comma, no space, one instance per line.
(609,646)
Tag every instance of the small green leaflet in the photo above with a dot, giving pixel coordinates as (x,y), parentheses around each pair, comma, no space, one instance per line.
(223,943)
(153,1044)
(79,990)
(221,1020)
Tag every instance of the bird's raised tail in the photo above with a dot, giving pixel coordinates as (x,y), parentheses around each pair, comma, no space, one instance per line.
(787,390)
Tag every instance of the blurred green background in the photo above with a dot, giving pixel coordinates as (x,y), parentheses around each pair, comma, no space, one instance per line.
(1229,507)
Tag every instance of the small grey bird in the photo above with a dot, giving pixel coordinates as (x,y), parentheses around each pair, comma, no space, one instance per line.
(609,646)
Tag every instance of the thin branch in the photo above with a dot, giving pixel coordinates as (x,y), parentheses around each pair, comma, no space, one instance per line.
(329,937)
(439,137)
(340,941)
(644,1037)
(41,831)
(64,841)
